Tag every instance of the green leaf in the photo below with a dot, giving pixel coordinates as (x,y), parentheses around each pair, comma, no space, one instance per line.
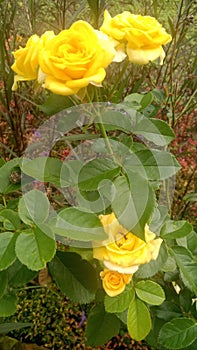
(146,100)
(116,120)
(85,253)
(7,249)
(167,310)
(3,282)
(96,171)
(192,242)
(192,346)
(122,316)
(120,302)
(79,225)
(133,203)
(158,218)
(154,130)
(9,327)
(69,119)
(138,320)
(159,95)
(150,269)
(70,172)
(152,337)
(33,207)
(35,247)
(187,264)
(97,201)
(119,149)
(75,277)
(101,326)
(8,305)
(6,186)
(12,217)
(150,292)
(19,274)
(2,162)
(133,101)
(170,265)
(55,103)
(152,164)
(185,299)
(44,169)
(175,229)
(178,333)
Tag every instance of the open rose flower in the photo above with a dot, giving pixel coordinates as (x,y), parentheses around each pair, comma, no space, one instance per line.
(143,35)
(123,251)
(26,62)
(114,282)
(75,58)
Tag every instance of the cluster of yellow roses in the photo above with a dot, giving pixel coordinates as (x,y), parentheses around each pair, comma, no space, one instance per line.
(122,254)
(66,62)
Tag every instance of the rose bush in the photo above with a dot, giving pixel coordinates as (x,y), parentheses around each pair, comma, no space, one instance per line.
(92,211)
(114,282)
(143,35)
(124,251)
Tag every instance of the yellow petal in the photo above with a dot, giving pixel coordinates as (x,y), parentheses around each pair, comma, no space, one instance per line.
(58,87)
(114,267)
(144,56)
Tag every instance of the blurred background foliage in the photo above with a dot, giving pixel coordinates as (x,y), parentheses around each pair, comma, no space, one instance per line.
(20,113)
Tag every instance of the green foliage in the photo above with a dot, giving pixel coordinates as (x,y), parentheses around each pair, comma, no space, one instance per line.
(187,264)
(3,282)
(80,280)
(43,169)
(33,207)
(178,334)
(101,326)
(150,292)
(7,250)
(138,319)
(19,274)
(119,303)
(35,247)
(78,225)
(135,197)
(8,327)
(6,184)
(96,171)
(176,229)
(8,304)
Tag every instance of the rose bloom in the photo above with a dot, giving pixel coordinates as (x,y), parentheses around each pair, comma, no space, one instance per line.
(27,59)
(143,35)
(123,251)
(114,282)
(75,58)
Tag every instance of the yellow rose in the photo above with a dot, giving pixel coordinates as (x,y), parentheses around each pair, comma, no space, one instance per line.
(27,59)
(75,58)
(114,282)
(143,35)
(123,251)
